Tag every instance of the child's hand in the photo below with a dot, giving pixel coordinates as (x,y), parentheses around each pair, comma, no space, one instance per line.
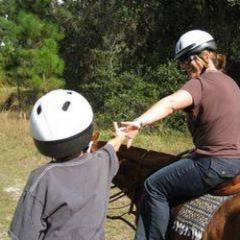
(120,136)
(118,132)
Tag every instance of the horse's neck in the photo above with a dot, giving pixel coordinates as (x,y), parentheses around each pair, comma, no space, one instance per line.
(145,158)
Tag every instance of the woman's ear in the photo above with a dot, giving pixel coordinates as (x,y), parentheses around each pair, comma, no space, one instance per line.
(205,56)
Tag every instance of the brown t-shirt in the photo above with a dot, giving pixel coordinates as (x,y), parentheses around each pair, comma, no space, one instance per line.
(214,118)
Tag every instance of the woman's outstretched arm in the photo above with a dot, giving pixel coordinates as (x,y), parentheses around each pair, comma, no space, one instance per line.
(166,106)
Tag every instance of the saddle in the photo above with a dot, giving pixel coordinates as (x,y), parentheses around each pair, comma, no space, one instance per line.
(229,187)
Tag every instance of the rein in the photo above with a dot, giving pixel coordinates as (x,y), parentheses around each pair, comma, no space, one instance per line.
(133,188)
(138,182)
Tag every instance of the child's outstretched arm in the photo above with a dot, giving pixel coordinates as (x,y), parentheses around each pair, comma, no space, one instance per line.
(120,137)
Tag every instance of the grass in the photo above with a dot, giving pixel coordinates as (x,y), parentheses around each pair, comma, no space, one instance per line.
(19,157)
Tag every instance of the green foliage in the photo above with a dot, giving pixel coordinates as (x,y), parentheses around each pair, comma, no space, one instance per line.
(115,95)
(168,79)
(115,39)
(30,56)
(47,67)
(234,2)
(117,53)
(125,97)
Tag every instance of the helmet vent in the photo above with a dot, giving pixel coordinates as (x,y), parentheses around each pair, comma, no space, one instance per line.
(66,106)
(39,109)
(69,92)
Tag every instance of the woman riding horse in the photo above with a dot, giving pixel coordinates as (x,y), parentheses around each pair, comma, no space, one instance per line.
(211,100)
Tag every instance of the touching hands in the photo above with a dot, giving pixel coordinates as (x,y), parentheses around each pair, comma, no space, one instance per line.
(120,137)
(118,132)
(131,130)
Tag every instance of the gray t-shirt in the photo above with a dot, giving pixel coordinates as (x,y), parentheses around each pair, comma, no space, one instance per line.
(66,201)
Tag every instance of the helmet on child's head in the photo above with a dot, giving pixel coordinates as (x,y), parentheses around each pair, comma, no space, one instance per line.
(61,123)
(193,42)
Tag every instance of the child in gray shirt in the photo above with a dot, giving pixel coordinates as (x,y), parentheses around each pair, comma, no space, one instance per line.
(67,198)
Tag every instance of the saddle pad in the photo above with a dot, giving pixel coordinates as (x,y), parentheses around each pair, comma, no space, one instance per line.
(195,215)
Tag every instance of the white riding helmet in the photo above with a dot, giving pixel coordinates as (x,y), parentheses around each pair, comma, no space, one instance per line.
(61,123)
(193,42)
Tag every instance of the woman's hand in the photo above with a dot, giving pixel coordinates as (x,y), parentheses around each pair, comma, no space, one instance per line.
(131,129)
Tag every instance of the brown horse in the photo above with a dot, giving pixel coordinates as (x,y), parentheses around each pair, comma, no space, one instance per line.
(136,164)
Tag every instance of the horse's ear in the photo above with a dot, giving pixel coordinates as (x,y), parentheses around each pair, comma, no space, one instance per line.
(94,142)
(95,136)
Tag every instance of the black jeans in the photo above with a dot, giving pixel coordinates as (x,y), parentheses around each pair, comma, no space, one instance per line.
(188,177)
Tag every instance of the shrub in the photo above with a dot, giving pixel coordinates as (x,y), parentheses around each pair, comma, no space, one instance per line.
(169,79)
(122,97)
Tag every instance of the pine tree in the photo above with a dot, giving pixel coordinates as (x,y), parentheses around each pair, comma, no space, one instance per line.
(29,53)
